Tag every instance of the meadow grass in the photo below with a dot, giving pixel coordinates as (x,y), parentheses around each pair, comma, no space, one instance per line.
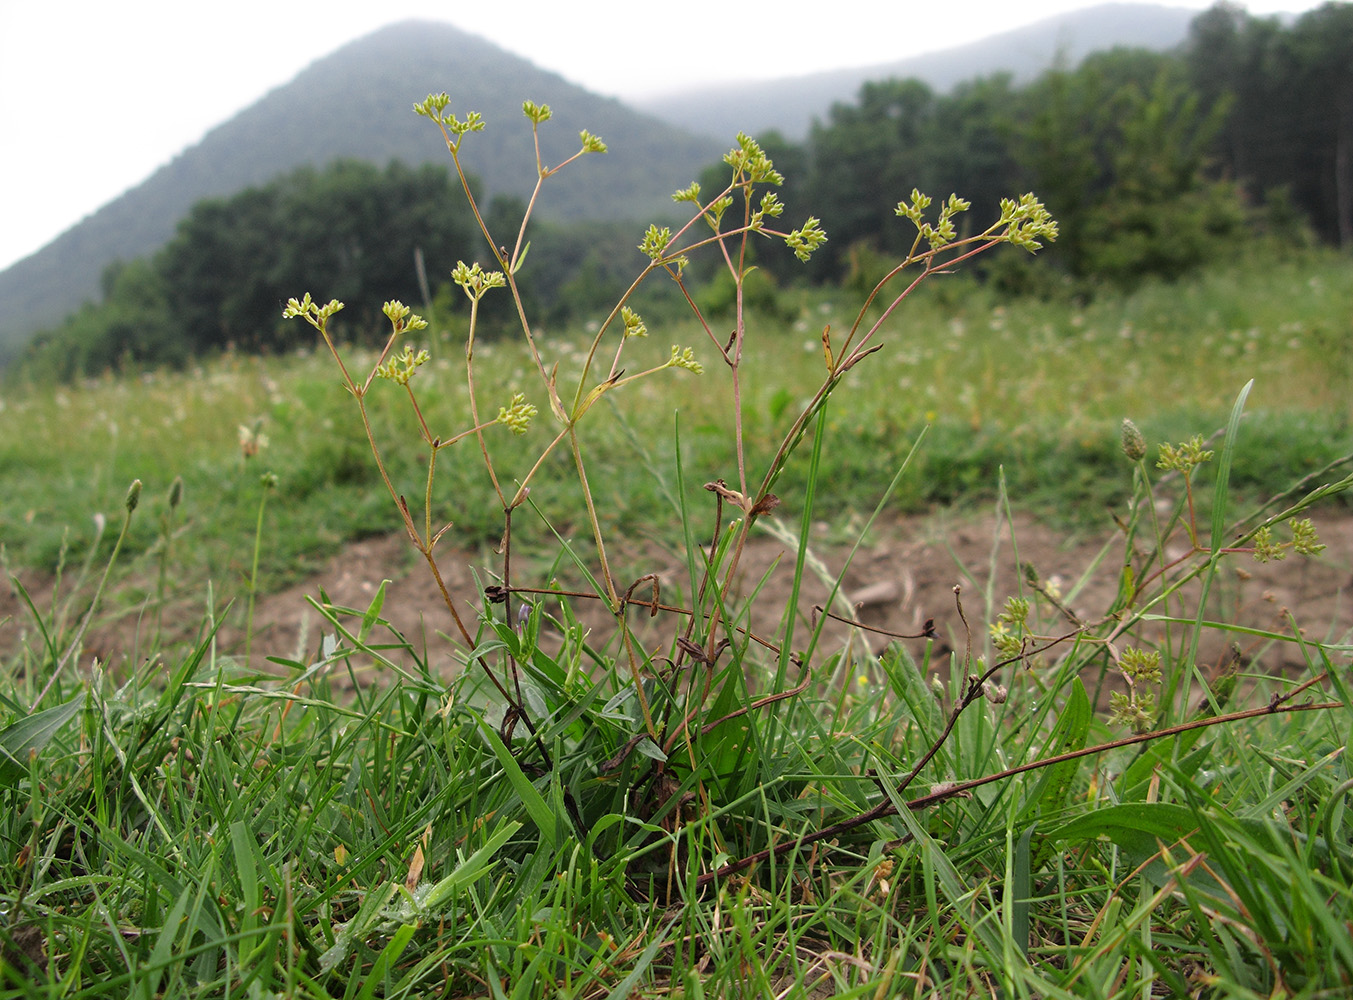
(1035,388)
(199,830)
(700,809)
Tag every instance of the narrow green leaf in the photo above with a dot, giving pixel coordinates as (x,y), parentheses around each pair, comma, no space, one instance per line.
(389,956)
(1228,451)
(1067,736)
(373,612)
(471,868)
(242,846)
(626,986)
(1021,884)
(541,814)
(164,945)
(356,929)
(30,735)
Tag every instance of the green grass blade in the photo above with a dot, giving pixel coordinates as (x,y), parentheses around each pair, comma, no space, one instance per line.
(20,740)
(536,808)
(1228,452)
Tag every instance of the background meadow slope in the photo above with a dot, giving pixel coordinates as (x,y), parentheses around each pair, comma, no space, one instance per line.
(1032,388)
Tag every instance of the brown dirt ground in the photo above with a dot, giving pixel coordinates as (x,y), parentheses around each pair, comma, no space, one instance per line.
(904,574)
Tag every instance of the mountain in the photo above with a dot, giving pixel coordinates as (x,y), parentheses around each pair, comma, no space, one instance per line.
(357,102)
(791,104)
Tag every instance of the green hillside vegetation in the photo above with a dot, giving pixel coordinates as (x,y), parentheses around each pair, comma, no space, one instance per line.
(353,104)
(1156,163)
(1029,389)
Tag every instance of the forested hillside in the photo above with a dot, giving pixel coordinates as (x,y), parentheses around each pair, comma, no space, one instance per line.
(1153,163)
(355,103)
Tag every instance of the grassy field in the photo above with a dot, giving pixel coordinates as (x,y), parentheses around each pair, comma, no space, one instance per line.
(1037,388)
(718,814)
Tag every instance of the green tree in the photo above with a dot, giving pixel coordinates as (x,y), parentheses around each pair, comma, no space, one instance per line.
(1119,149)
(353,226)
(869,155)
(1289,136)
(899,135)
(1321,46)
(131,327)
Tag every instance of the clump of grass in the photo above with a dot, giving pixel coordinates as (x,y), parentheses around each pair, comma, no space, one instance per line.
(695,807)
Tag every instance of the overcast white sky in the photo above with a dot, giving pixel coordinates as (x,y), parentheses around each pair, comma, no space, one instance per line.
(96,94)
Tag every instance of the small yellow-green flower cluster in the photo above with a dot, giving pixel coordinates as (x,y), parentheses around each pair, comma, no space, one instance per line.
(1304,538)
(656,241)
(475,280)
(401,367)
(750,162)
(537,114)
(1135,710)
(943,231)
(1304,542)
(1027,221)
(402,318)
(591,143)
(771,207)
(434,107)
(1184,457)
(807,238)
(1141,666)
(517,414)
(634,324)
(1266,549)
(1009,629)
(314,313)
(685,358)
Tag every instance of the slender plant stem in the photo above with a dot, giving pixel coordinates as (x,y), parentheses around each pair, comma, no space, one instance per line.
(93,607)
(253,569)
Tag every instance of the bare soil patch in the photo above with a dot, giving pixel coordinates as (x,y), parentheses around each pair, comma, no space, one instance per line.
(904,574)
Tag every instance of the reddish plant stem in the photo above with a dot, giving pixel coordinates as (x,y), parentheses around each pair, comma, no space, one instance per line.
(886,807)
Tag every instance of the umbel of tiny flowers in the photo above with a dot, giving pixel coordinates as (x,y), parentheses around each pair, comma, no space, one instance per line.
(313,313)
(402,318)
(400,369)
(1136,708)
(1011,627)
(475,281)
(684,357)
(517,414)
(1305,541)
(634,323)
(1140,666)
(1184,457)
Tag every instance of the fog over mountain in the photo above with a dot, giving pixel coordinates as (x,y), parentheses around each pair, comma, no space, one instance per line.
(790,104)
(356,102)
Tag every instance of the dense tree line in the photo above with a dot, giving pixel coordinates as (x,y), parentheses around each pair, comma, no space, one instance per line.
(223,278)
(351,231)
(1153,163)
